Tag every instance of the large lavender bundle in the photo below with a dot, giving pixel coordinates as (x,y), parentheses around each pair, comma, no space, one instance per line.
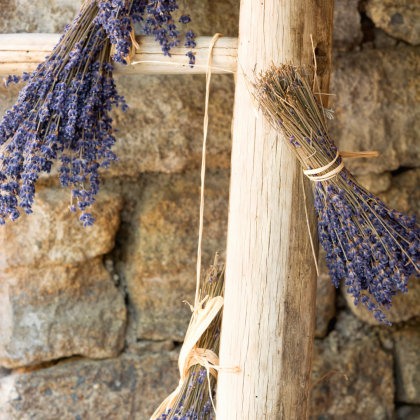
(195,397)
(63,111)
(374,248)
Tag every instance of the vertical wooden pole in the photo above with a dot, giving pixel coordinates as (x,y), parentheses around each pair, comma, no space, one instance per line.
(269,313)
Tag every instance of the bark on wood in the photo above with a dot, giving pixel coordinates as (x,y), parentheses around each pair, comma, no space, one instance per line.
(23,52)
(269,312)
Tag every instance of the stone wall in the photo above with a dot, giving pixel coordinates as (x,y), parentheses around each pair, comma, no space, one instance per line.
(91,321)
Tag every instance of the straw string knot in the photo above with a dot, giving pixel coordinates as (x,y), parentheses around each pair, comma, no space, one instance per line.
(310,173)
(191,355)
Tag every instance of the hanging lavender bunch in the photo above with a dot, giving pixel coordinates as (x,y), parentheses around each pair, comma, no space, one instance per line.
(374,248)
(61,114)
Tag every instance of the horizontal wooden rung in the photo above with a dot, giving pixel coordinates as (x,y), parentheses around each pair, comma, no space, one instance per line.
(23,52)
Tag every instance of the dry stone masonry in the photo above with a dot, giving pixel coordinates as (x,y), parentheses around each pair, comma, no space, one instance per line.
(91,319)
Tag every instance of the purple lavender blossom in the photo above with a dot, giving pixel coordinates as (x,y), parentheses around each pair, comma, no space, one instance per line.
(62,113)
(372,248)
(118,17)
(201,376)
(376,250)
(190,43)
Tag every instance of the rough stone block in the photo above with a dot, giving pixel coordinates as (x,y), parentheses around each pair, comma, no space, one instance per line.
(383,40)
(53,235)
(404,193)
(407,366)
(126,388)
(408,412)
(165,134)
(161,247)
(369,392)
(60,311)
(404,305)
(37,15)
(398,18)
(347,32)
(375,183)
(377,107)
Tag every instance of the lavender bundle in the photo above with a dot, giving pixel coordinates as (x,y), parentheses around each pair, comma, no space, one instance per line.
(374,248)
(195,398)
(63,111)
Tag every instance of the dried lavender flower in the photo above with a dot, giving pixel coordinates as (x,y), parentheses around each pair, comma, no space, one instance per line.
(63,111)
(189,43)
(118,17)
(61,114)
(374,248)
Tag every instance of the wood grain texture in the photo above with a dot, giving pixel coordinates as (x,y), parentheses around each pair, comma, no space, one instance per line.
(23,52)
(269,312)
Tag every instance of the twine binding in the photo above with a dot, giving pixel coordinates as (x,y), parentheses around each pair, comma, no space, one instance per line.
(133,48)
(339,168)
(326,177)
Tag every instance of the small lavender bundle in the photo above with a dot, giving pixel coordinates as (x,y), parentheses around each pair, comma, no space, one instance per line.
(374,248)
(194,397)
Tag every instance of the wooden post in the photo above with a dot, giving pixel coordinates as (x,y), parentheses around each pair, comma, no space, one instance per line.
(270,295)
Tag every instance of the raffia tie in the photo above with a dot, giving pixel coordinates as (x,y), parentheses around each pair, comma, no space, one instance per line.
(334,172)
(329,175)
(191,355)
(134,46)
